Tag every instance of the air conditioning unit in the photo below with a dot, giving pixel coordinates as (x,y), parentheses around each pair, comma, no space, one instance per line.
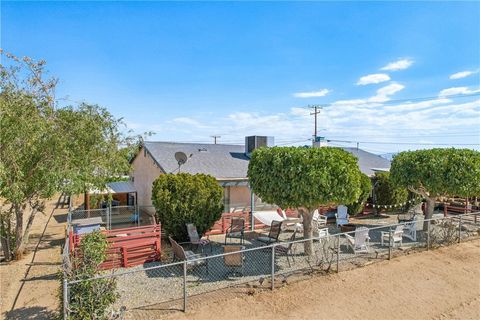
(255,142)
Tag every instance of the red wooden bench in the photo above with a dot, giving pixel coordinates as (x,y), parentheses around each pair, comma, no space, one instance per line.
(128,246)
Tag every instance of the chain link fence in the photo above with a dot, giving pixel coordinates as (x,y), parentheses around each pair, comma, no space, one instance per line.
(115,217)
(153,288)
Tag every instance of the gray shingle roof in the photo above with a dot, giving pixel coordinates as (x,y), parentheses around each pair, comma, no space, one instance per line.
(368,161)
(229,161)
(222,161)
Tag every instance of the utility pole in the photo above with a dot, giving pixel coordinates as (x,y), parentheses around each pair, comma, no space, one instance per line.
(215,138)
(316,112)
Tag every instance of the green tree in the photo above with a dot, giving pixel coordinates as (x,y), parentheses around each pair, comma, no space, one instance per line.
(366,189)
(90,299)
(304,178)
(184,198)
(438,172)
(387,193)
(45,149)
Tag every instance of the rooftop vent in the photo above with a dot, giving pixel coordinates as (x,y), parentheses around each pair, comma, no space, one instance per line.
(255,142)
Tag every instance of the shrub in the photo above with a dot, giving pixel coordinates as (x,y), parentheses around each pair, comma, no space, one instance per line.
(184,198)
(366,188)
(387,193)
(90,299)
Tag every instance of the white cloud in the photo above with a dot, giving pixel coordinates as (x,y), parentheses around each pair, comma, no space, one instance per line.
(312,94)
(398,65)
(384,93)
(373,78)
(456,90)
(462,74)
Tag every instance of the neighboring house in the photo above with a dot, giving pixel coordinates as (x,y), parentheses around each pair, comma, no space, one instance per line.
(227,163)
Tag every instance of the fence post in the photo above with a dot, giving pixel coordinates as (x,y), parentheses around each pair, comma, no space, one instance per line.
(428,235)
(390,244)
(338,251)
(185,286)
(273,266)
(460,229)
(65,298)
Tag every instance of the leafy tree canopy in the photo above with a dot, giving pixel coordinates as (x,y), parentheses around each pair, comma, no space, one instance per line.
(46,148)
(304,177)
(437,172)
(184,198)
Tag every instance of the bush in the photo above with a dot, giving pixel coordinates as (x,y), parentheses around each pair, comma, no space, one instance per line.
(387,193)
(366,188)
(184,198)
(90,299)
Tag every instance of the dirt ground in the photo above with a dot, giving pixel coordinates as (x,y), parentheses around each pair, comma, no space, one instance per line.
(439,284)
(30,286)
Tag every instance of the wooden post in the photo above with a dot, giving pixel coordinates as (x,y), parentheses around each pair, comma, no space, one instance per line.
(223,224)
(124,257)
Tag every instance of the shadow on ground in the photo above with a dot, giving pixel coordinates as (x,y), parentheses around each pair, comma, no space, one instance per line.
(31,313)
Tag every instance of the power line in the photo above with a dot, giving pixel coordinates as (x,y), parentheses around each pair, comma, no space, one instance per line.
(408,143)
(417,99)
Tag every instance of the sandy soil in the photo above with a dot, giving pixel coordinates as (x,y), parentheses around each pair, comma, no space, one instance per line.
(30,286)
(440,284)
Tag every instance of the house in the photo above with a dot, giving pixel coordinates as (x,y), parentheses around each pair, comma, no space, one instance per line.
(227,163)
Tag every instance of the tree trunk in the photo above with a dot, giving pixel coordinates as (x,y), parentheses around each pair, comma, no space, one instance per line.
(22,242)
(18,230)
(5,235)
(307,216)
(428,211)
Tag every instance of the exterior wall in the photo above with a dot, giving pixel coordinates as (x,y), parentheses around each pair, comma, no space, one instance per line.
(145,171)
(239,199)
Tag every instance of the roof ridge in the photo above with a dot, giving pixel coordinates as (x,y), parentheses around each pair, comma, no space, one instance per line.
(194,143)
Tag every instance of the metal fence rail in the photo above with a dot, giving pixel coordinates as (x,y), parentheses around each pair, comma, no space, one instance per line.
(169,286)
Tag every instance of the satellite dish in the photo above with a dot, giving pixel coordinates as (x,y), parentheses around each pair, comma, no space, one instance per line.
(181,157)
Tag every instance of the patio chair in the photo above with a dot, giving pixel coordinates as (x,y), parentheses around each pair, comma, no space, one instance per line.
(179,254)
(292,224)
(287,250)
(273,234)
(397,236)
(359,243)
(410,230)
(195,239)
(342,215)
(236,230)
(234,261)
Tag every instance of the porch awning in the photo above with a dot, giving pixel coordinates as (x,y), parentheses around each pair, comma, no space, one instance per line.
(239,182)
(115,187)
(121,187)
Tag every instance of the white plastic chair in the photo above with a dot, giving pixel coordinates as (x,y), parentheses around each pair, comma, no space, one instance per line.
(342,215)
(410,230)
(360,242)
(397,236)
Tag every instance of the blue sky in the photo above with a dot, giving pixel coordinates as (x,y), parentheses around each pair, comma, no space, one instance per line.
(190,70)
